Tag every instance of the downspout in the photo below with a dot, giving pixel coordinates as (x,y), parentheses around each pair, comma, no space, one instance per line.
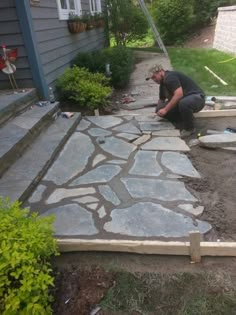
(28,33)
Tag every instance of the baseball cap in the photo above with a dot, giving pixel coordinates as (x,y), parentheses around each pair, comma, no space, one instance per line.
(152,70)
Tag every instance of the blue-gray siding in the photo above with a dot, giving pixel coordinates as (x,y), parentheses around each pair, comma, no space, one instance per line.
(56,45)
(10,35)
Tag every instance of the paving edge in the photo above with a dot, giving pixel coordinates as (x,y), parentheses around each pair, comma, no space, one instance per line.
(216,113)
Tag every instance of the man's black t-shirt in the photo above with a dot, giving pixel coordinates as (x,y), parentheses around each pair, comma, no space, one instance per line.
(173,80)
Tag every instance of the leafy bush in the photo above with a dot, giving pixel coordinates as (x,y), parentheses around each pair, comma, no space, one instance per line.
(173,18)
(86,88)
(120,59)
(26,244)
(127,22)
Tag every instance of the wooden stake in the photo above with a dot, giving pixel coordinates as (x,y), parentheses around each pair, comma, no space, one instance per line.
(216,76)
(195,248)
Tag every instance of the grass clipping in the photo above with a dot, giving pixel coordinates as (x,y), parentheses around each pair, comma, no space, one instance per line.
(180,294)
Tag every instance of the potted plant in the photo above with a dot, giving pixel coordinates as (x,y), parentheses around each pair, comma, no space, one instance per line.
(75,23)
(98,19)
(88,20)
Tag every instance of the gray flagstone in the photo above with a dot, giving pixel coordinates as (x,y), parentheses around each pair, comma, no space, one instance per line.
(146,219)
(84,124)
(146,164)
(105,121)
(98,132)
(98,158)
(62,193)
(128,128)
(155,126)
(118,147)
(37,195)
(128,136)
(109,194)
(165,144)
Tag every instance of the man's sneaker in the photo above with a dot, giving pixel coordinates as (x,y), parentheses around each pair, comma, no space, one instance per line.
(186,133)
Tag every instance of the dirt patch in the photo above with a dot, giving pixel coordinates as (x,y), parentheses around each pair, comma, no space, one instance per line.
(203,38)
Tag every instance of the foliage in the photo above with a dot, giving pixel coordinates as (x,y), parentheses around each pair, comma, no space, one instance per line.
(120,59)
(127,23)
(86,88)
(192,62)
(26,244)
(173,18)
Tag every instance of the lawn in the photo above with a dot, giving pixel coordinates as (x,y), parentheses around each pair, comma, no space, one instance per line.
(192,62)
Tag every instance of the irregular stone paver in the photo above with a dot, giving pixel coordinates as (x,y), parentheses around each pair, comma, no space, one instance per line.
(166,144)
(147,118)
(72,159)
(109,194)
(37,195)
(86,199)
(146,164)
(118,147)
(128,128)
(117,162)
(155,126)
(179,163)
(102,212)
(218,140)
(157,189)
(62,193)
(147,219)
(84,124)
(173,176)
(167,133)
(128,136)
(142,139)
(92,206)
(72,219)
(98,158)
(98,132)
(189,208)
(105,121)
(101,174)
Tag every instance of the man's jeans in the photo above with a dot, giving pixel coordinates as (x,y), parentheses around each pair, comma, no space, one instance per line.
(183,111)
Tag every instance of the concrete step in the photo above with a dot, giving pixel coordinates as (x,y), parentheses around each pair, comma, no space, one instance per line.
(20,180)
(12,104)
(20,132)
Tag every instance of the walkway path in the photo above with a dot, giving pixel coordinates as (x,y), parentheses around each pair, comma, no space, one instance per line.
(120,177)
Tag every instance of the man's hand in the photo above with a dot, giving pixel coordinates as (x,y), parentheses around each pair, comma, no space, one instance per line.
(162,112)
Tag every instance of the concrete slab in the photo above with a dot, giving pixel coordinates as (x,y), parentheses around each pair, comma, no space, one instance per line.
(166,144)
(146,219)
(218,140)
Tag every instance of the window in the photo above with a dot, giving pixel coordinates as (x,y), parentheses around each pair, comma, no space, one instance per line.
(95,6)
(67,6)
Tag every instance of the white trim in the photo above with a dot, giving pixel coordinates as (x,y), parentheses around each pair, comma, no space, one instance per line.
(64,13)
(93,4)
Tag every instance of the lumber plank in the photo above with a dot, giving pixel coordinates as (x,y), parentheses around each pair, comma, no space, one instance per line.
(195,249)
(216,113)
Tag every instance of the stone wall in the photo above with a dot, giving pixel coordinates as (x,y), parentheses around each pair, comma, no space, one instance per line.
(225,33)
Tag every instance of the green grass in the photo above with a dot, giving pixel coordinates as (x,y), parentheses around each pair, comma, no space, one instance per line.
(192,62)
(147,41)
(179,294)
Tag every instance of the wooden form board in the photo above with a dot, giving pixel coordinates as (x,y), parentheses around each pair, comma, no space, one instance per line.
(150,247)
(216,113)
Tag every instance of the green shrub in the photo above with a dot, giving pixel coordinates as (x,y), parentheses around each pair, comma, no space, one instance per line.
(173,18)
(86,88)
(26,244)
(120,59)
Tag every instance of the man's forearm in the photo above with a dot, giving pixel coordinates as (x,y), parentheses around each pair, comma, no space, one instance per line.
(173,102)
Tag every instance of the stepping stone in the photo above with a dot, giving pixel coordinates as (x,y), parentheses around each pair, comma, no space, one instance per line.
(128,128)
(101,174)
(142,139)
(155,126)
(157,189)
(84,124)
(71,220)
(102,212)
(99,132)
(166,144)
(167,133)
(128,136)
(98,158)
(146,164)
(105,121)
(179,163)
(109,194)
(62,193)
(37,195)
(146,219)
(72,160)
(189,208)
(218,140)
(118,147)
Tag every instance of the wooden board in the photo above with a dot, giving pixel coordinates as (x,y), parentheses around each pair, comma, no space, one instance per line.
(216,113)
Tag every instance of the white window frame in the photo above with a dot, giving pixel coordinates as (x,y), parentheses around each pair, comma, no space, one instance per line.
(93,3)
(64,13)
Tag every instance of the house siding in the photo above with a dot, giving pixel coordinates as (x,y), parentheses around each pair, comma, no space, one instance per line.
(56,45)
(11,36)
